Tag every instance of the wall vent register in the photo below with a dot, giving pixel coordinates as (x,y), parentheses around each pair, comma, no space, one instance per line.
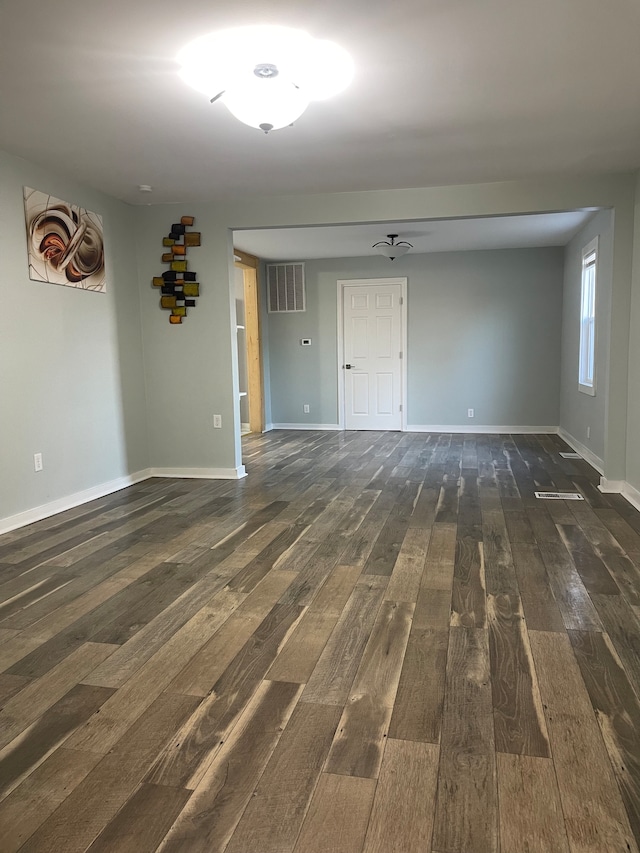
(286,292)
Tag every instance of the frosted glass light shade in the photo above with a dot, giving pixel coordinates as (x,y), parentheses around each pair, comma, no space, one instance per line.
(392,252)
(226,61)
(267,104)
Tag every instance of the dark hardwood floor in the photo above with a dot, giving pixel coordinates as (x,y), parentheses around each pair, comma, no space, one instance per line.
(376,643)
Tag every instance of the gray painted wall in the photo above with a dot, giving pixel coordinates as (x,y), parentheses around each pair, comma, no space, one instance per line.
(633,416)
(578,410)
(192,374)
(483,332)
(71,379)
(191,370)
(70,374)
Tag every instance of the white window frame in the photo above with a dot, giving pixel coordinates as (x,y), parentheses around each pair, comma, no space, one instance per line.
(588,336)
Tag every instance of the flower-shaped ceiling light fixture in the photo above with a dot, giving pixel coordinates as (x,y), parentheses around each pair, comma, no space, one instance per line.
(265,76)
(390,249)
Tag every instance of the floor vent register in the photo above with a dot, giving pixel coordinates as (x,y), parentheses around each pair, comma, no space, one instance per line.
(559,496)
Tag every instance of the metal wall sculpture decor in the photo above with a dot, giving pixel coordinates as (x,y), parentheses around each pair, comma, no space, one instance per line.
(178,285)
(65,242)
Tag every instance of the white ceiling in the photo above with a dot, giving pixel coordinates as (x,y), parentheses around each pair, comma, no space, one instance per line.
(446,92)
(443,235)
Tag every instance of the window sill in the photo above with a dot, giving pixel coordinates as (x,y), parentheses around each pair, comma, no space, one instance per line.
(587,389)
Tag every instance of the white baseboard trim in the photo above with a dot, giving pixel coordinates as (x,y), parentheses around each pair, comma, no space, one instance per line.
(611,487)
(267,428)
(201,473)
(483,429)
(452,428)
(632,495)
(333,427)
(587,454)
(621,487)
(29,516)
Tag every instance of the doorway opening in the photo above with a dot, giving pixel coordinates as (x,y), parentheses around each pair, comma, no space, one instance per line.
(248,338)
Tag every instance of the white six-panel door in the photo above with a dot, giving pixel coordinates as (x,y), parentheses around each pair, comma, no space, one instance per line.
(372,355)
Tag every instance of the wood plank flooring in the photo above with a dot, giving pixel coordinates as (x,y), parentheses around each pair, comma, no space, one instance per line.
(375,643)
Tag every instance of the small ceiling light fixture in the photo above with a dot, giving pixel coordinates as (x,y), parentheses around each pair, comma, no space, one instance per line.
(145,188)
(265,76)
(390,249)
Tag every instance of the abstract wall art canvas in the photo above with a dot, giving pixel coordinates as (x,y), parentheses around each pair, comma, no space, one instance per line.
(65,242)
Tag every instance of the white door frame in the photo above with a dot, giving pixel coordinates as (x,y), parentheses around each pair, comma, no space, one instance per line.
(385,282)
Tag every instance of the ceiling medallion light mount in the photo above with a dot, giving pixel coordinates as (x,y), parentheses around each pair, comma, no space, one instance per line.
(265,76)
(265,70)
(390,249)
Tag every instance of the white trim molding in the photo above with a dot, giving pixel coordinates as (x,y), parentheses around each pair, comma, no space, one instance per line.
(29,516)
(201,473)
(621,487)
(587,354)
(482,429)
(611,487)
(632,495)
(332,427)
(588,455)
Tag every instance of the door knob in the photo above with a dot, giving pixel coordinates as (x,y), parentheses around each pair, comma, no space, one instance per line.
(348,366)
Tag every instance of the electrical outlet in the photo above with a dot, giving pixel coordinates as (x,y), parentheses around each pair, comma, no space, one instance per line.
(471,413)
(588,432)
(217,421)
(37,461)
(305,408)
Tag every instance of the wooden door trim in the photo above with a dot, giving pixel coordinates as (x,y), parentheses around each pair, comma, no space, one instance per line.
(250,267)
(244,260)
(382,282)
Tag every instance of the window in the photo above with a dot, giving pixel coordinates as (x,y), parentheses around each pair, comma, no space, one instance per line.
(587,363)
